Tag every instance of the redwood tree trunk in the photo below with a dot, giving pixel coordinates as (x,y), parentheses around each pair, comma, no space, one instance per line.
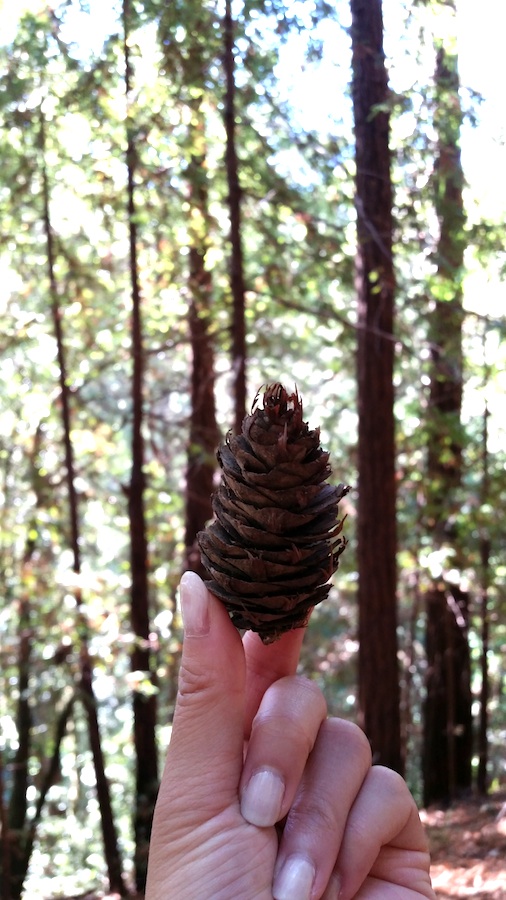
(447,714)
(236,255)
(447,743)
(379,694)
(5,838)
(16,837)
(203,434)
(482,780)
(144,704)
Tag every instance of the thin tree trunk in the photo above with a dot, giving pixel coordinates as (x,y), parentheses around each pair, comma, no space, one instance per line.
(482,779)
(5,838)
(485,549)
(410,667)
(109,834)
(50,773)
(16,836)
(447,741)
(379,692)
(236,254)
(18,804)
(203,434)
(144,704)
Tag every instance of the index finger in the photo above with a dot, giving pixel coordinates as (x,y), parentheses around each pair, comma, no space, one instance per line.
(265,664)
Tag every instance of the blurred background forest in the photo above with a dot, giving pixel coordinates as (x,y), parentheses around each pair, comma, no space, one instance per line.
(190,209)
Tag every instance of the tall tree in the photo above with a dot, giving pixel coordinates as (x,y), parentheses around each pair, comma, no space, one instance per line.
(447,747)
(203,432)
(376,522)
(485,544)
(38,67)
(144,698)
(109,832)
(234,205)
(15,834)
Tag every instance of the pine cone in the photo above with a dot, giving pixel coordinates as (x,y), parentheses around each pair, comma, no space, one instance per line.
(275,540)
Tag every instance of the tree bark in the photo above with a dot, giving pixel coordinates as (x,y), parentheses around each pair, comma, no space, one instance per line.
(379,694)
(5,838)
(16,821)
(485,551)
(204,433)
(447,741)
(447,715)
(144,704)
(234,203)
(482,779)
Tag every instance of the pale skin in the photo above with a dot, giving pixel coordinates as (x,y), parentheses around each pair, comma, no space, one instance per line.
(263,796)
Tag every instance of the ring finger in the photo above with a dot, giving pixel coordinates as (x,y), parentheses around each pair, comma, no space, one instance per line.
(316,822)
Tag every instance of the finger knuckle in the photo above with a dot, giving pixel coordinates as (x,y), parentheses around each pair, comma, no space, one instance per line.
(357,743)
(295,697)
(191,683)
(309,694)
(313,816)
(293,707)
(392,782)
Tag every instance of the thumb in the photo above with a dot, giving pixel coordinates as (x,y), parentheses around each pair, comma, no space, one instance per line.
(208,731)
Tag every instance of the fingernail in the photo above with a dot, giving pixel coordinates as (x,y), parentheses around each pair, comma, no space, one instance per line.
(194,605)
(262,798)
(295,880)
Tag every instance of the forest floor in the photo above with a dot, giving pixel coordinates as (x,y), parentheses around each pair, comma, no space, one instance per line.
(468,848)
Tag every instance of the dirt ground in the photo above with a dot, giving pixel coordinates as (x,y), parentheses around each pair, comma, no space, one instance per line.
(468,848)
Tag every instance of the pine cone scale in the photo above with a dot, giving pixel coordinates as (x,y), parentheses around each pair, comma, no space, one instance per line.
(291,498)
(276,579)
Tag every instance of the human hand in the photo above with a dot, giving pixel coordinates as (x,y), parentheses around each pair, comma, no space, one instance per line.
(263,797)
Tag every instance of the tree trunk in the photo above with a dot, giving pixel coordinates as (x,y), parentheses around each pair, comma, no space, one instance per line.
(447,719)
(379,694)
(5,838)
(447,743)
(204,434)
(109,834)
(485,550)
(51,770)
(144,702)
(17,825)
(234,203)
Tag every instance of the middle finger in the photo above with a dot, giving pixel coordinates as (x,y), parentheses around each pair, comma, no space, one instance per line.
(283,734)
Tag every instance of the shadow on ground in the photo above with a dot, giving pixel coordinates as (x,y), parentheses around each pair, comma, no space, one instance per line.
(468,849)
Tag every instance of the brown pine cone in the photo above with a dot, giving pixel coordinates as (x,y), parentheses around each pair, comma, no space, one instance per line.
(275,541)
